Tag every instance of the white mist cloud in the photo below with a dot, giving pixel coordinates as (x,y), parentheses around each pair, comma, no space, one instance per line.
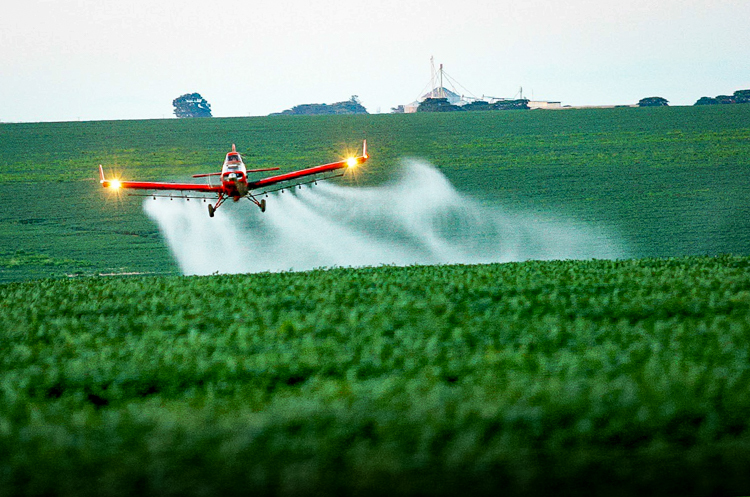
(419,219)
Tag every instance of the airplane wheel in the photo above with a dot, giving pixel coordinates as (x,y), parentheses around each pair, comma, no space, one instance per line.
(263,205)
(211,210)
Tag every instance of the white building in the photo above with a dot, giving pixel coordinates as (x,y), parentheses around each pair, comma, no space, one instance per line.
(542,104)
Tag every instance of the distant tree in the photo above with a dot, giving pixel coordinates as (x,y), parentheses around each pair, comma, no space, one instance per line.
(725,99)
(742,96)
(706,101)
(739,97)
(191,105)
(437,105)
(398,110)
(478,105)
(521,104)
(351,106)
(653,102)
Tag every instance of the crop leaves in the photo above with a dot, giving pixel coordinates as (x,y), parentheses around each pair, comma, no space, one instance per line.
(560,368)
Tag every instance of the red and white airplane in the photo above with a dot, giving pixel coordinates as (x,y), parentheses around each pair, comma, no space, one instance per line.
(235,183)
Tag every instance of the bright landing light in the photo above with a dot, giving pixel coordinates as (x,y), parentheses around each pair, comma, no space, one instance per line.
(351,162)
(114,184)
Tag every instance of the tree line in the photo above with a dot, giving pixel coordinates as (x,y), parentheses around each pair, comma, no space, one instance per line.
(194,105)
(442,105)
(351,106)
(738,97)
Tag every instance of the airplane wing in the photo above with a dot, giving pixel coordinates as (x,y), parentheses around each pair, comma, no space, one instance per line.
(310,171)
(150,185)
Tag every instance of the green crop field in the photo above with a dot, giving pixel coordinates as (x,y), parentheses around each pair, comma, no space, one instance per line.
(602,377)
(567,377)
(668,181)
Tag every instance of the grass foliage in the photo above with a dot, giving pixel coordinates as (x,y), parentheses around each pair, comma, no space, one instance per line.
(564,377)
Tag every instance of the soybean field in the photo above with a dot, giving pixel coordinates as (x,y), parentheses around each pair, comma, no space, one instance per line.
(668,181)
(565,377)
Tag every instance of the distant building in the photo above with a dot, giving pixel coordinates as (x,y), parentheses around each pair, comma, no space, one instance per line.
(542,104)
(440,91)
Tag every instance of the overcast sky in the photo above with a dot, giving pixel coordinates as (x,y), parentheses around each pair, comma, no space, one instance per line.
(64,60)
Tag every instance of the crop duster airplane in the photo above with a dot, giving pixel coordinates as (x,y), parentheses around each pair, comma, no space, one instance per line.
(235,183)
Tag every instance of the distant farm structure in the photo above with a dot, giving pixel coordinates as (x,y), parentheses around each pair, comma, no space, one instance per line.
(466,100)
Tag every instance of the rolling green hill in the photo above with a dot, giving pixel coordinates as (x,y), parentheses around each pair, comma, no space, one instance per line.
(669,181)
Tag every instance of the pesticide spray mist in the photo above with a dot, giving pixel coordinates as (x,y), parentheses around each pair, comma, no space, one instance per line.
(419,219)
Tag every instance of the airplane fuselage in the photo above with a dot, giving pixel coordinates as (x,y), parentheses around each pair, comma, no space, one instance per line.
(234,176)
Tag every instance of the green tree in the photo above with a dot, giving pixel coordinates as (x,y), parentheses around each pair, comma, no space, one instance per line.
(520,104)
(742,96)
(653,102)
(191,105)
(725,99)
(437,105)
(706,101)
(478,105)
(351,106)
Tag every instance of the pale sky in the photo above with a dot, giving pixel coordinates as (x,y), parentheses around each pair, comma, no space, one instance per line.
(65,60)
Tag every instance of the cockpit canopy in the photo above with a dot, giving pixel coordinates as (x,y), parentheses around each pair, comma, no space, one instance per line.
(233,157)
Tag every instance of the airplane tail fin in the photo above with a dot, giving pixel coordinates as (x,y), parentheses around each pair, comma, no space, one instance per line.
(101,174)
(364,149)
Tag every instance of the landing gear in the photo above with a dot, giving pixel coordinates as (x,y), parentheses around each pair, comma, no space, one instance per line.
(260,203)
(212,208)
